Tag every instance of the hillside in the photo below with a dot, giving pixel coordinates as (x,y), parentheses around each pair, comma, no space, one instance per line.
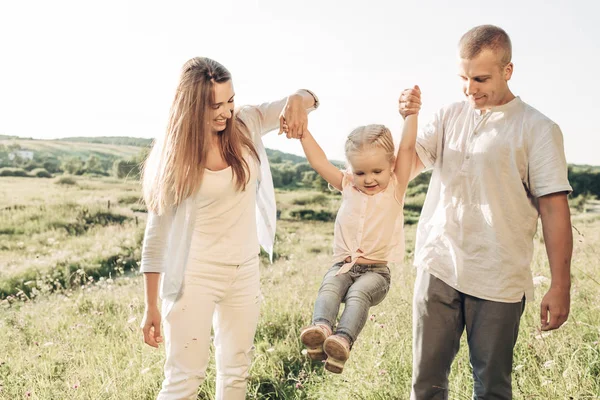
(125,147)
(108,147)
(118,140)
(81,149)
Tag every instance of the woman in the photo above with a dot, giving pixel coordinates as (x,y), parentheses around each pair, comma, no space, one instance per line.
(203,183)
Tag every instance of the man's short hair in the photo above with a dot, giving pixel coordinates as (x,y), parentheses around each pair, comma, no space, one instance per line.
(485,37)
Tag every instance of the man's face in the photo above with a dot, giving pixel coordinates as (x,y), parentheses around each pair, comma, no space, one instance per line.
(485,80)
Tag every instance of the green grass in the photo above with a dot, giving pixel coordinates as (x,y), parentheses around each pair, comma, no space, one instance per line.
(82,341)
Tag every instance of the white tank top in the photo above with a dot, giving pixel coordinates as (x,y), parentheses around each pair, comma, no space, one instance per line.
(225,226)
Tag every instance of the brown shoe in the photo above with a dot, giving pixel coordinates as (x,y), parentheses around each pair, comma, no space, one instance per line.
(337,352)
(313,337)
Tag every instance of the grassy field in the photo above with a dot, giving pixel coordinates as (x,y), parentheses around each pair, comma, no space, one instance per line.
(71,304)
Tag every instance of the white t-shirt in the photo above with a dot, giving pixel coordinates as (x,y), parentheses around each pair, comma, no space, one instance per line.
(480,214)
(225,228)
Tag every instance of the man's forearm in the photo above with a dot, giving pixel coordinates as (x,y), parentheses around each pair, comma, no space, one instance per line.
(558,237)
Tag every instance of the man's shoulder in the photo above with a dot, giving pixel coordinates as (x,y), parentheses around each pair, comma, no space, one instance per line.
(535,119)
(452,111)
(455,108)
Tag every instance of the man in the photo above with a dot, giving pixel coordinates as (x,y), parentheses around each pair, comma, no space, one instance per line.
(497,164)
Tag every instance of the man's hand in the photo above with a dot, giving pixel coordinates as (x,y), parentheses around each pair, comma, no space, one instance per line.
(557,302)
(409,102)
(294,117)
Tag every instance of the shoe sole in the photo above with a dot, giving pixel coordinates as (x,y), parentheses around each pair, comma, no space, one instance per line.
(337,354)
(313,339)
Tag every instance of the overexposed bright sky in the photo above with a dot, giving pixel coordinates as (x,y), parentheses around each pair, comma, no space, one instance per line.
(82,68)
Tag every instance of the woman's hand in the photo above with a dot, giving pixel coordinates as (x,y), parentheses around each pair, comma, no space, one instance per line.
(294,117)
(151,326)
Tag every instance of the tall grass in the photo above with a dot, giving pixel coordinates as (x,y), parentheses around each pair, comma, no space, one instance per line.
(83,341)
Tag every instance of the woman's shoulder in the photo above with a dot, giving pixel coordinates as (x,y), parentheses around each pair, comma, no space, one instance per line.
(246,121)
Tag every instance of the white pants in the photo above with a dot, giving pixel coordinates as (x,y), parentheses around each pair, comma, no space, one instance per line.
(229,296)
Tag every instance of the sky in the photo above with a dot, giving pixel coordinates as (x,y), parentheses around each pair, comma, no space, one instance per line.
(85,68)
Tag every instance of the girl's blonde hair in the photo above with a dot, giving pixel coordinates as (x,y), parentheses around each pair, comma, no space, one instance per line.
(369,136)
(174,168)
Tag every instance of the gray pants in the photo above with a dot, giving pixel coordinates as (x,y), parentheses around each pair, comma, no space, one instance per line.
(440,314)
(360,288)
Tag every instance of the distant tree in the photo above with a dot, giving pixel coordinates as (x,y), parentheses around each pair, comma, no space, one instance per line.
(51,164)
(584,181)
(141,156)
(276,174)
(126,169)
(93,164)
(72,165)
(286,172)
(321,184)
(4,161)
(308,177)
(40,173)
(300,169)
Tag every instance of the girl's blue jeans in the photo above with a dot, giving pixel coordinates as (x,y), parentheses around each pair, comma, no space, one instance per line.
(364,286)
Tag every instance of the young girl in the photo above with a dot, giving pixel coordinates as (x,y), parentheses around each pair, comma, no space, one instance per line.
(368,233)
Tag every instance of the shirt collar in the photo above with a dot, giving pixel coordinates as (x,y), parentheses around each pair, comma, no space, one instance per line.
(504,107)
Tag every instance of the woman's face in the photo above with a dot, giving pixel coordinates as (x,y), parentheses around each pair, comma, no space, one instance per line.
(222,108)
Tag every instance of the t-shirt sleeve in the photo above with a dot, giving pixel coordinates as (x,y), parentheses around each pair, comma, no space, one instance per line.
(262,118)
(547,163)
(346,179)
(428,140)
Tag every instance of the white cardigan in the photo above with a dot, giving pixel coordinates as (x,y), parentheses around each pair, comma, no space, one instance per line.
(167,238)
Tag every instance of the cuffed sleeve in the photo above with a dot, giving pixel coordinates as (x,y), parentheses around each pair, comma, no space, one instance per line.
(547,163)
(154,247)
(427,141)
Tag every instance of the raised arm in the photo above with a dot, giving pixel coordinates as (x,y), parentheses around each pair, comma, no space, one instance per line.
(406,159)
(294,108)
(317,159)
(294,114)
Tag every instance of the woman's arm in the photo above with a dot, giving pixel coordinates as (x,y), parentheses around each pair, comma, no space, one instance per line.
(153,260)
(151,320)
(267,117)
(317,159)
(294,113)
(155,242)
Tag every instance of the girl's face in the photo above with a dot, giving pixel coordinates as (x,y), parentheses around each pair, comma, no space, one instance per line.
(222,108)
(372,170)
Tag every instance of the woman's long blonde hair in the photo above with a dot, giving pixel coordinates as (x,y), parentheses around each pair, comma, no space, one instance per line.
(174,168)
